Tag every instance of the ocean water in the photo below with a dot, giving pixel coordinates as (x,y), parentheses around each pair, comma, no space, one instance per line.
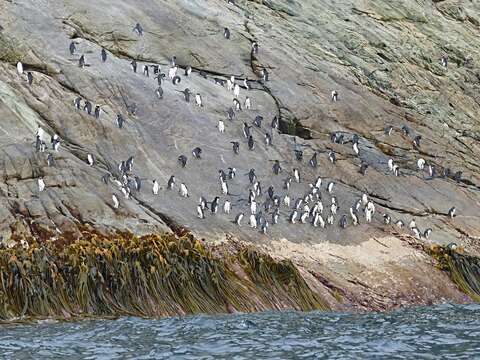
(440,332)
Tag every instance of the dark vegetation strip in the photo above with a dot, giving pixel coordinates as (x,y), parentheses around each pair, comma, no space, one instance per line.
(148,276)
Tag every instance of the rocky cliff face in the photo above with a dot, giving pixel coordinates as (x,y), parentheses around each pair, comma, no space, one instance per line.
(383,59)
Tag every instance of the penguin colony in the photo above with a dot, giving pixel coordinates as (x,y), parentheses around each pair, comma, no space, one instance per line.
(261,206)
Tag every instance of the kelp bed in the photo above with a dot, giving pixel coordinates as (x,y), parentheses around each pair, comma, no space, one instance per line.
(151,276)
(463,269)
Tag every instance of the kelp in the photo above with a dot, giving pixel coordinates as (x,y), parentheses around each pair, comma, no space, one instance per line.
(464,270)
(150,276)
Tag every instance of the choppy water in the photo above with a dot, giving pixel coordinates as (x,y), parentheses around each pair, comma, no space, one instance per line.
(446,332)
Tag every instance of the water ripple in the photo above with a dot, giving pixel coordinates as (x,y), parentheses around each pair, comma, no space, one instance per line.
(445,331)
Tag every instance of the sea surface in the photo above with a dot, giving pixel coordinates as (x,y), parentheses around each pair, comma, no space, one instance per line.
(441,332)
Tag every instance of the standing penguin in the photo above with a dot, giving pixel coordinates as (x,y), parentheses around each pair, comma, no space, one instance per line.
(30,78)
(90,159)
(103,55)
(198,100)
(155,187)
(19,68)
(138,29)
(41,184)
(72,48)
(226,33)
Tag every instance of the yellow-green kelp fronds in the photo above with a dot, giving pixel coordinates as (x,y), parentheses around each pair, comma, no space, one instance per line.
(464,270)
(151,276)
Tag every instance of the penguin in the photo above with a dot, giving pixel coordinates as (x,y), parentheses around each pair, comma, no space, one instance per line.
(155,187)
(214,205)
(264,74)
(334,96)
(421,164)
(287,182)
(406,130)
(399,224)
(332,157)
(182,160)
(133,65)
(77,103)
(200,212)
(81,61)
(237,105)
(416,232)
(235,147)
(293,216)
(296,175)
(330,219)
(390,164)
(226,33)
(238,219)
(171,182)
(55,142)
(251,143)
(313,161)
(254,47)
(246,84)
(120,120)
(50,160)
(224,188)
(96,112)
(355,148)
(268,139)
(444,61)
(363,169)
(275,123)
(343,221)
(72,48)
(30,78)
(368,215)
(230,114)
(452,212)
(286,201)
(138,29)
(354,217)
(246,130)
(388,130)
(253,221)
(457,176)
(304,217)
(396,171)
(416,141)
(183,190)
(159,93)
(90,159)
(258,121)
(197,153)
(386,219)
(146,72)
(172,72)
(116,203)
(88,107)
(364,199)
(221,126)
(227,206)
(41,184)
(412,224)
(188,70)
(231,173)
(248,103)
(176,80)
(427,233)
(103,55)
(333,208)
(330,187)
(236,91)
(229,85)
(173,61)
(276,167)
(198,100)
(19,68)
